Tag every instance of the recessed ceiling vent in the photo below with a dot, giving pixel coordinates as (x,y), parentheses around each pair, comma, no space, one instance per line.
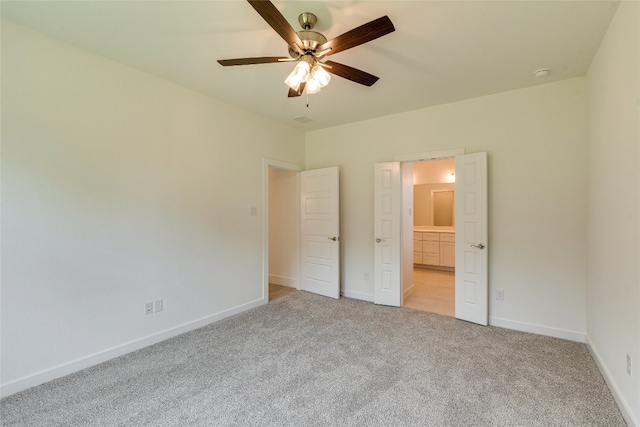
(542,72)
(302,119)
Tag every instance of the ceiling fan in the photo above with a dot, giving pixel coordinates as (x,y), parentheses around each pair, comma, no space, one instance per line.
(308,48)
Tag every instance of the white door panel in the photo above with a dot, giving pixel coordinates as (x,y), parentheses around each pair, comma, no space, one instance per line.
(320,224)
(471,254)
(387,275)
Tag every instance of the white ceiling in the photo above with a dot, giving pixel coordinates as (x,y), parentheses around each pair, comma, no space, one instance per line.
(441,51)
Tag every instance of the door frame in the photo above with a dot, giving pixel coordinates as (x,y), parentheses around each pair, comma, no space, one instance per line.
(410,158)
(266,164)
(430,155)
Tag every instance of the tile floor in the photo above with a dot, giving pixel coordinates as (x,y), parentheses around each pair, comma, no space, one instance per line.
(277,291)
(434,291)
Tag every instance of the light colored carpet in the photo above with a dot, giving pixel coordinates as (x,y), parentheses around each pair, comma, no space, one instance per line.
(305,360)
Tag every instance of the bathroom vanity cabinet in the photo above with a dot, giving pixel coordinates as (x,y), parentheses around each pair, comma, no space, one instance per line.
(434,248)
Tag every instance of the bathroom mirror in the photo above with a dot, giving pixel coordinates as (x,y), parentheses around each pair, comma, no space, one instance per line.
(443,212)
(431,200)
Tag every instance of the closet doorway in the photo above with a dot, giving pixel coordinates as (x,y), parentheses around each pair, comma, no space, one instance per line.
(283,228)
(433,226)
(301,241)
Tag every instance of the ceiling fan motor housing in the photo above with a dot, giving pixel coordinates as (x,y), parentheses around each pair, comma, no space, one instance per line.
(310,41)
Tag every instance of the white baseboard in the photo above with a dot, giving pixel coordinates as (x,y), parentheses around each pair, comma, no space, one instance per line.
(537,329)
(409,291)
(358,295)
(291,282)
(102,356)
(631,420)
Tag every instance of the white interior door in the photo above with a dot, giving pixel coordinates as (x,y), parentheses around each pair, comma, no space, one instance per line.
(320,226)
(471,294)
(387,276)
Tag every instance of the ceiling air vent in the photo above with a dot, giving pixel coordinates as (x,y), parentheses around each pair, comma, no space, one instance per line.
(302,119)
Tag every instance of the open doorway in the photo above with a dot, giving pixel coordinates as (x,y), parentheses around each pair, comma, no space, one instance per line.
(433,230)
(394,233)
(301,241)
(284,234)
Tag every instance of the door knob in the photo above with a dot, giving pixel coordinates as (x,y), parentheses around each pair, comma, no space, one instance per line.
(334,238)
(378,240)
(479,246)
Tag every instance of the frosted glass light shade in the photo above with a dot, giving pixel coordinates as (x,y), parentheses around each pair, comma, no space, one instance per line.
(312,86)
(299,74)
(320,75)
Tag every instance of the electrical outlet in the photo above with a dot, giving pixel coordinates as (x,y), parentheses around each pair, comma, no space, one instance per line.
(158,306)
(365,276)
(499,294)
(148,308)
(629,364)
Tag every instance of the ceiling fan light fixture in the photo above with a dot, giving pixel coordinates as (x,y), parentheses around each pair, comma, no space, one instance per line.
(309,47)
(299,75)
(312,87)
(320,75)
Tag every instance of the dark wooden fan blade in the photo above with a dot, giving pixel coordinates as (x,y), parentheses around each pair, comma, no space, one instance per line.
(249,61)
(360,35)
(351,73)
(274,18)
(292,93)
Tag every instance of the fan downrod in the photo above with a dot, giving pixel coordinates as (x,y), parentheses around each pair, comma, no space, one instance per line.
(307,20)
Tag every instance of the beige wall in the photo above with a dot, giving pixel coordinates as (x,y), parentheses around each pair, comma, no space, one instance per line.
(119,188)
(537,194)
(613,150)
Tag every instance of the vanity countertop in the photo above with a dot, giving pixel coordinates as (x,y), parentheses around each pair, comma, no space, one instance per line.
(425,228)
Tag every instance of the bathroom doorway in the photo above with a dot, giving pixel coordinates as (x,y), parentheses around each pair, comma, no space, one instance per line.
(433,228)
